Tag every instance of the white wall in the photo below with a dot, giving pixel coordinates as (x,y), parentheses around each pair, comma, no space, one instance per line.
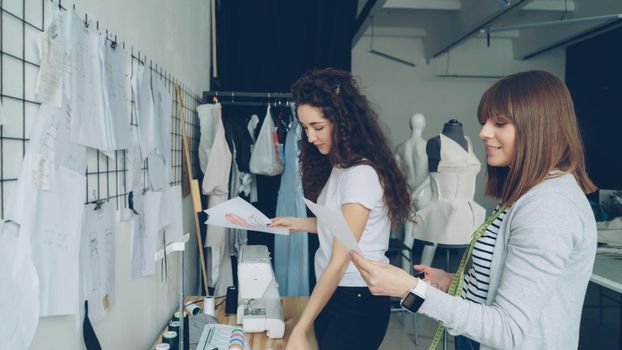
(398,91)
(175,35)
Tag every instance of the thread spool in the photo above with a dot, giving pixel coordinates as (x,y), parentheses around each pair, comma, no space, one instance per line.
(192,308)
(176,317)
(231,305)
(173,326)
(170,338)
(163,346)
(208,306)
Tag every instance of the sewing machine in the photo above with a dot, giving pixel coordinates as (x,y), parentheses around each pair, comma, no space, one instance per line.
(259,302)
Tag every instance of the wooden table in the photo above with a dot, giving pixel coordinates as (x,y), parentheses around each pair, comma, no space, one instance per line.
(292,309)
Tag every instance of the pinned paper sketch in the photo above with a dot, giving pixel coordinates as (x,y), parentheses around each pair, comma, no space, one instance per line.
(97,259)
(2,116)
(335,223)
(240,214)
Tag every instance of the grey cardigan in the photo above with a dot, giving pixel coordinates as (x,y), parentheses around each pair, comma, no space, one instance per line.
(540,269)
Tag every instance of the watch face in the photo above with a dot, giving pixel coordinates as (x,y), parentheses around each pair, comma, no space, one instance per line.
(412,302)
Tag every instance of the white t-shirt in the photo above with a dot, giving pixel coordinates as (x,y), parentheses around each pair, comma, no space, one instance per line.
(357,184)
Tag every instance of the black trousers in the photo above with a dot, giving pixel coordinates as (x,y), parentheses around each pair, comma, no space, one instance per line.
(353,318)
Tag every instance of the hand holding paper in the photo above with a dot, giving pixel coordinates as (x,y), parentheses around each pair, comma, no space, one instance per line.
(335,223)
(240,214)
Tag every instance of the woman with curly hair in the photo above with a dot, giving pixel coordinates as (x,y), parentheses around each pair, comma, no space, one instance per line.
(346,164)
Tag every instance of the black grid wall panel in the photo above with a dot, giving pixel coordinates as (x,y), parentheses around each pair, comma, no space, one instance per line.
(21,23)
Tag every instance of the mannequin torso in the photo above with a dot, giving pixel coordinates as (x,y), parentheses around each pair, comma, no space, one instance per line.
(451,129)
(411,154)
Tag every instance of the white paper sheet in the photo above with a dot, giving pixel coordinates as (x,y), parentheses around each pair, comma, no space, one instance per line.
(2,115)
(19,290)
(171,213)
(163,104)
(145,228)
(157,170)
(55,235)
(145,118)
(89,123)
(134,162)
(116,91)
(49,85)
(137,255)
(335,223)
(255,220)
(97,259)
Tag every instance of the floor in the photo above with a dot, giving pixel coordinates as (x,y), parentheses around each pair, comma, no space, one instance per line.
(595,332)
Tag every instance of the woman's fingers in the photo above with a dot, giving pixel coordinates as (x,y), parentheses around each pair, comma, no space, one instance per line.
(236,219)
(362,264)
(280,221)
(421,268)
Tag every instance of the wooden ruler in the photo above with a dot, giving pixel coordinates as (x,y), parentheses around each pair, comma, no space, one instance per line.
(194,183)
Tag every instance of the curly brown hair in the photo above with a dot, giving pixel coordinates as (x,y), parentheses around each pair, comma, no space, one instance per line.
(357,138)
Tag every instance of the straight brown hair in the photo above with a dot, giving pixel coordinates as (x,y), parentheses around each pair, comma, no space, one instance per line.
(547,133)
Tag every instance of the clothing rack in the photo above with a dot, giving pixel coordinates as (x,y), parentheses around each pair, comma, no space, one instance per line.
(245,98)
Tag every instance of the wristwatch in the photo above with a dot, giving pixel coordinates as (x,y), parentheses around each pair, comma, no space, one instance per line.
(415,297)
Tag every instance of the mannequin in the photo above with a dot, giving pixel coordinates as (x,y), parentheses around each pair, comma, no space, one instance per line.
(412,159)
(411,156)
(451,129)
(451,215)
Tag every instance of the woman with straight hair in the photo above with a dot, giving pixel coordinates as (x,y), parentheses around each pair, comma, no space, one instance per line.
(532,259)
(346,164)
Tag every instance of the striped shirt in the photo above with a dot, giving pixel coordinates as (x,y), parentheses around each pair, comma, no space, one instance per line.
(476,280)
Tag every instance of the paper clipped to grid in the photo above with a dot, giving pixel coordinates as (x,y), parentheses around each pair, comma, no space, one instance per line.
(335,223)
(245,214)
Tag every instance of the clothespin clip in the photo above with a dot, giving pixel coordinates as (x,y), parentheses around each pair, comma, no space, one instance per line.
(130,202)
(86,19)
(98,204)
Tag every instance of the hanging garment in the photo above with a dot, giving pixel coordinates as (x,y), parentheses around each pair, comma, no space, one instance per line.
(236,238)
(238,137)
(19,290)
(452,215)
(266,158)
(207,114)
(291,253)
(216,186)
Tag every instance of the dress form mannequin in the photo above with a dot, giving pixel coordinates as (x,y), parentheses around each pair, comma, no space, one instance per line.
(452,211)
(413,160)
(411,154)
(451,129)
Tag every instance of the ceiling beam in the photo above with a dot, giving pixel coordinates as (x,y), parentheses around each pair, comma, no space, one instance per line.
(466,30)
(371,8)
(550,5)
(451,5)
(538,40)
